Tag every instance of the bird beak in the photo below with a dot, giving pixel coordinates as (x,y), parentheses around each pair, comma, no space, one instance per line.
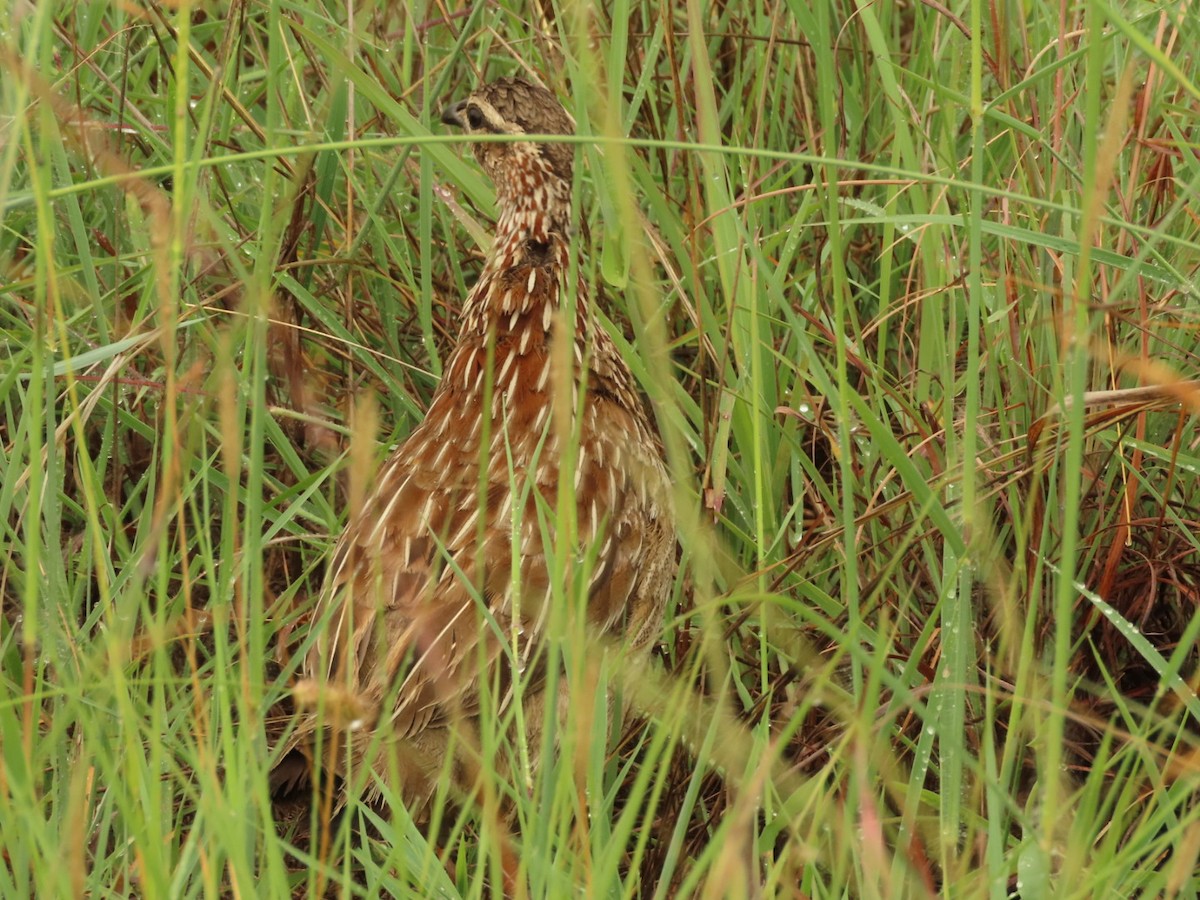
(452,114)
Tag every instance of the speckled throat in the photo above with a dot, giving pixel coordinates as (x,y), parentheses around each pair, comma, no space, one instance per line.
(529,257)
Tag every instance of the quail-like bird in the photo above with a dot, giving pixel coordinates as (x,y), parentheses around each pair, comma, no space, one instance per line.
(443,578)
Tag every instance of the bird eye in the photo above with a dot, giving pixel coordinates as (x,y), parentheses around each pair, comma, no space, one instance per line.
(474,117)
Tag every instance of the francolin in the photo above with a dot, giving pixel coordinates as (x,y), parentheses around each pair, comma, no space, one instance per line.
(442,579)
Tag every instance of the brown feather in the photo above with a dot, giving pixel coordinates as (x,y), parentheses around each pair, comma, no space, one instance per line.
(420,584)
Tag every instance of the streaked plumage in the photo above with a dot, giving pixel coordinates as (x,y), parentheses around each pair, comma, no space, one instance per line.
(429,558)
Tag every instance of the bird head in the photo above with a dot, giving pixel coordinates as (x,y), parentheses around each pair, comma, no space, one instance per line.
(514,106)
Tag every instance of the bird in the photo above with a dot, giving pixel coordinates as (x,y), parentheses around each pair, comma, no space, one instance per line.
(441,584)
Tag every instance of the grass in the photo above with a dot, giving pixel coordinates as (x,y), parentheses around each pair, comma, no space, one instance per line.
(874,264)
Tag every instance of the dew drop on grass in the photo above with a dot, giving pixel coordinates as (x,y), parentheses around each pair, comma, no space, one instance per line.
(1033,872)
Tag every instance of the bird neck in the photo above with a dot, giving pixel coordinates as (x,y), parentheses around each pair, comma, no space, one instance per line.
(521,283)
(534,200)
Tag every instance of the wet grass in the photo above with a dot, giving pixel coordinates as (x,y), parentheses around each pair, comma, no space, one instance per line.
(911,291)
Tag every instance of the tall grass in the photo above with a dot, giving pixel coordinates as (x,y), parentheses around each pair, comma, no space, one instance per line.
(873,265)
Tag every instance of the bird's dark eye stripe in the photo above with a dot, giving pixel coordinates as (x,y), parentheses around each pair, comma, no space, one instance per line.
(474,117)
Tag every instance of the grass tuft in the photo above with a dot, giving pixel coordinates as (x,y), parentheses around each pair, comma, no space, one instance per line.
(910,290)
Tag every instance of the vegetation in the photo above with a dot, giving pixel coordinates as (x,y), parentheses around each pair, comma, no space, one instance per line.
(912,289)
